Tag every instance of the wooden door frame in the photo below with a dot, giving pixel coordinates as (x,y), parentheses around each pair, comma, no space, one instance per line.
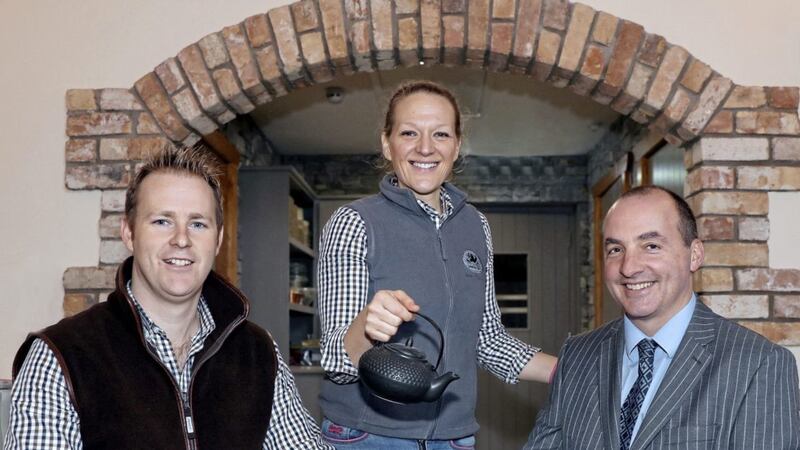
(227,261)
(620,169)
(643,152)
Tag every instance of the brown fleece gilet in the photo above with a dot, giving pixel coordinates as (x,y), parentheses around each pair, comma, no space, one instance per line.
(126,399)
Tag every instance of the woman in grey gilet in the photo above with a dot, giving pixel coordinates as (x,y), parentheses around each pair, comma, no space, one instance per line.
(417,246)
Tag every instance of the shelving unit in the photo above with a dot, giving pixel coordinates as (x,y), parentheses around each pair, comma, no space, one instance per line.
(269,251)
(511,287)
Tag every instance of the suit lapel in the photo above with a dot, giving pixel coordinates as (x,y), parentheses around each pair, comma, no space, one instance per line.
(609,385)
(690,362)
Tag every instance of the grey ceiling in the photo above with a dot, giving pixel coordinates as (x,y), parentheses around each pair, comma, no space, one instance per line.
(505,115)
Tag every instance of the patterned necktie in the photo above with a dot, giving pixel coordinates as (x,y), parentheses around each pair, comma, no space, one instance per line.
(633,402)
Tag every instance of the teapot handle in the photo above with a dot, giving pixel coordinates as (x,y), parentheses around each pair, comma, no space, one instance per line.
(441,337)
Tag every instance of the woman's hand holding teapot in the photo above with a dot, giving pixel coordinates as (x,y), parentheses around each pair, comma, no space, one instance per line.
(386,312)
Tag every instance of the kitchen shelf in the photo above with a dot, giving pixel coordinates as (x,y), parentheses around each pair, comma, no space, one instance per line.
(302,309)
(502,297)
(296,369)
(296,246)
(514,310)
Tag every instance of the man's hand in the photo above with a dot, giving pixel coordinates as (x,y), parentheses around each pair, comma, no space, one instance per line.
(386,312)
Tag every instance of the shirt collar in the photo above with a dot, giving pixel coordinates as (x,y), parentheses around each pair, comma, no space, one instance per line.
(670,335)
(444,197)
(206,320)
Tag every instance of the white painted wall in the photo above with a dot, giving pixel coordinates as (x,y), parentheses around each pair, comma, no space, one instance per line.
(744,40)
(784,230)
(49,46)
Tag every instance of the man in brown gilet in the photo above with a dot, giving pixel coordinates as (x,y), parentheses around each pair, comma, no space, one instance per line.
(170,360)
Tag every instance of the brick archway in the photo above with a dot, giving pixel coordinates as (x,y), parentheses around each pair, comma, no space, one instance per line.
(612,60)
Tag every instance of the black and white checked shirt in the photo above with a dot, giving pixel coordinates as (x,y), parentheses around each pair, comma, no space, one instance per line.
(42,414)
(343,278)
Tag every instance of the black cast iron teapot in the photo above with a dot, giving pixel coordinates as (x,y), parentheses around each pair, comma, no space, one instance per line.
(400,373)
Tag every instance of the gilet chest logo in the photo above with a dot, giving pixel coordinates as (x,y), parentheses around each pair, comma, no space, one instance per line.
(472,262)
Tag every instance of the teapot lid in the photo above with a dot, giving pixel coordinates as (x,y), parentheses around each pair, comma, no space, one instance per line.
(405,351)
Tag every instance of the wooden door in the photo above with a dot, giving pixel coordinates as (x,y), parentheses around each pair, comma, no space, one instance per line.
(544,239)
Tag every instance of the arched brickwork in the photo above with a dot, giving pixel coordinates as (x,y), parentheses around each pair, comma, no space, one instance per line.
(749,136)
(614,61)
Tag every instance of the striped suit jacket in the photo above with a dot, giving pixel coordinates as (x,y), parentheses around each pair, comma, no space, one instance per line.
(726,388)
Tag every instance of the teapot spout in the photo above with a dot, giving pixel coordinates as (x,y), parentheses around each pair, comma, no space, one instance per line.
(438,386)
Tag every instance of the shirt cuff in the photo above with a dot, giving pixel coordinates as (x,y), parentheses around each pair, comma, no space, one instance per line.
(520,360)
(336,361)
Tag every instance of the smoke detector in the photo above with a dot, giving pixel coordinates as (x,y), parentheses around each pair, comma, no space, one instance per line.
(334,94)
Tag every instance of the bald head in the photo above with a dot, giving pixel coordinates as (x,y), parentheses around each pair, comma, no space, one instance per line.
(687,225)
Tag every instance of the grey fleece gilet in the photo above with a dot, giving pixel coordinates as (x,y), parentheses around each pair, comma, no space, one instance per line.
(444,271)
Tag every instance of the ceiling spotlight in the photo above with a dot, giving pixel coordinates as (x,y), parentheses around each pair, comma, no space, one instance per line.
(422,63)
(334,94)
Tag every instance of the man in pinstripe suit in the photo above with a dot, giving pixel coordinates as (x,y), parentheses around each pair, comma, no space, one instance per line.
(670,373)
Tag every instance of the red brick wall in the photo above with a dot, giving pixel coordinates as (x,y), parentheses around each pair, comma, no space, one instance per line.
(742,141)
(750,147)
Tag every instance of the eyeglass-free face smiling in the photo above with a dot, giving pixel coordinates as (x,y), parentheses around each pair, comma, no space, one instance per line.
(174,237)
(648,267)
(423,144)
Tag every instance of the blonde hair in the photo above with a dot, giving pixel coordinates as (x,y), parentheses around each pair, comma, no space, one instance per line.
(197,160)
(413,87)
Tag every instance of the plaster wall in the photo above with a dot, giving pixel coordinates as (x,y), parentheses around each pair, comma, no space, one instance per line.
(784,237)
(50,46)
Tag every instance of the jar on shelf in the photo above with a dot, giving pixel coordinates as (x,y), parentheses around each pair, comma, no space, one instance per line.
(298,275)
